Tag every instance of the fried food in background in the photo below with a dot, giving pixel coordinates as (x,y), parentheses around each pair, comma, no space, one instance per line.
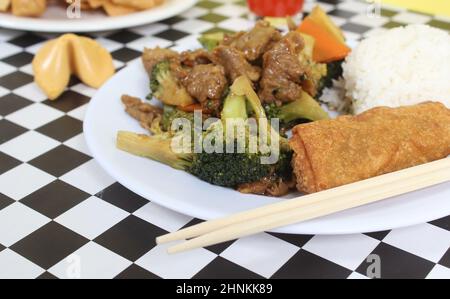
(331,153)
(35,8)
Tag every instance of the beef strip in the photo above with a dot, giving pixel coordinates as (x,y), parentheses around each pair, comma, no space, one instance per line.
(152,57)
(142,112)
(193,58)
(282,70)
(235,63)
(206,82)
(255,42)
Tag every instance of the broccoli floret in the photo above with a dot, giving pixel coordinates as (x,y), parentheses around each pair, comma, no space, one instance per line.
(171,113)
(223,169)
(166,88)
(334,71)
(305,108)
(210,41)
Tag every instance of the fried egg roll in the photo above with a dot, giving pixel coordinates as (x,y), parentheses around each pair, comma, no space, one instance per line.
(332,153)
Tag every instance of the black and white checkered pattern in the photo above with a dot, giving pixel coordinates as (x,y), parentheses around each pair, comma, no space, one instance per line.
(58,206)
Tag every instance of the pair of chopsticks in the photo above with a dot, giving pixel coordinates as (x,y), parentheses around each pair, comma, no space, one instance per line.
(309,207)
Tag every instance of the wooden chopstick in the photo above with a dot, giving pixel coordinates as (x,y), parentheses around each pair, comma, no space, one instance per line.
(300,202)
(417,179)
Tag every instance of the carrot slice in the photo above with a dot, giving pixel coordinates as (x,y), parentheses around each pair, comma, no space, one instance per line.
(327,47)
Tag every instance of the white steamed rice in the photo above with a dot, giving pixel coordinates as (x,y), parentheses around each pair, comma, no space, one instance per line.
(402,66)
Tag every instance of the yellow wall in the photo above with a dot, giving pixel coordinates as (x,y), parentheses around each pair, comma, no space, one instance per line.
(439,7)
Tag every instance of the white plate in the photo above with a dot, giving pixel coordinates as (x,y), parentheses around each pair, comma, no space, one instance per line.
(55,19)
(186,194)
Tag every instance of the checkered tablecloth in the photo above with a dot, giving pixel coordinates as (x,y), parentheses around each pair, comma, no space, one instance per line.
(62,216)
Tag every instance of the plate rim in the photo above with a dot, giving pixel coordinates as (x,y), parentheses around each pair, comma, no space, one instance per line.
(156,14)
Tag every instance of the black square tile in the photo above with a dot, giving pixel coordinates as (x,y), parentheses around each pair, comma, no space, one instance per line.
(388,13)
(172,35)
(305,265)
(19,60)
(345,14)
(392,24)
(332,2)
(124,36)
(126,54)
(356,28)
(7,163)
(378,235)
(11,103)
(445,260)
(60,160)
(172,21)
(442,223)
(15,80)
(62,129)
(297,240)
(123,198)
(74,81)
(9,130)
(26,40)
(398,264)
(47,276)
(130,238)
(68,101)
(49,245)
(2,247)
(55,199)
(136,272)
(221,268)
(440,24)
(5,201)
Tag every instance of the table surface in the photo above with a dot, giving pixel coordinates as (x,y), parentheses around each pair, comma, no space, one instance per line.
(62,216)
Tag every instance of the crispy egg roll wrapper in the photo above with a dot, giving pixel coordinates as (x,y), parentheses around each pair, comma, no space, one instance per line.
(332,153)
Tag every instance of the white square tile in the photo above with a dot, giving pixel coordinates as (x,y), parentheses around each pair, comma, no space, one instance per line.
(356,275)
(177,266)
(149,42)
(370,21)
(27,69)
(91,261)
(263,254)
(151,29)
(3,91)
(411,18)
(355,6)
(28,146)
(195,12)
(439,272)
(8,34)
(425,240)
(6,69)
(193,26)
(236,24)
(84,90)
(34,116)
(109,44)
(31,92)
(230,10)
(92,217)
(18,221)
(79,113)
(7,50)
(309,5)
(23,180)
(88,177)
(78,143)
(347,250)
(33,49)
(162,217)
(15,266)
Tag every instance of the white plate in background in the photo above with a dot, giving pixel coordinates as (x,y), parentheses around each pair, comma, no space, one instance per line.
(55,19)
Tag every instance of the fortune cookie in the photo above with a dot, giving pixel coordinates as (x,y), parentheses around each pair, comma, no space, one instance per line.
(69,55)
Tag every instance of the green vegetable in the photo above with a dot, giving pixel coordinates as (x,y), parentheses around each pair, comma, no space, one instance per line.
(166,88)
(170,114)
(304,108)
(210,41)
(223,169)
(334,71)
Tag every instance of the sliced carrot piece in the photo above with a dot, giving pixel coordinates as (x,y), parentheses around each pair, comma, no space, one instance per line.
(327,48)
